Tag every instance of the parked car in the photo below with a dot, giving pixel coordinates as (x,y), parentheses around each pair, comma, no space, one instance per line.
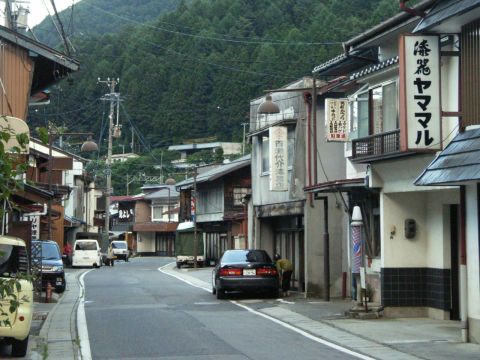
(52,265)
(120,249)
(245,270)
(86,252)
(14,262)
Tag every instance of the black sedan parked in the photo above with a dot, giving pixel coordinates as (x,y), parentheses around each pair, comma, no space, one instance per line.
(245,270)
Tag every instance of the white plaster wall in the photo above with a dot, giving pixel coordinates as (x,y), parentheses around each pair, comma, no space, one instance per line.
(473,251)
(145,242)
(398,251)
(431,245)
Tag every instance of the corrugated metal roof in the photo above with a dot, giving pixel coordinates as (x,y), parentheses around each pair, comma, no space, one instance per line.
(217,172)
(458,163)
(444,10)
(163,193)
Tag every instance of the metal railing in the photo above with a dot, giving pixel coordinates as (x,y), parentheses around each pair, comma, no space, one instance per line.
(376,146)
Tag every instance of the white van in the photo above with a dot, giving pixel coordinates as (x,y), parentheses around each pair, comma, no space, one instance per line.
(86,252)
(120,249)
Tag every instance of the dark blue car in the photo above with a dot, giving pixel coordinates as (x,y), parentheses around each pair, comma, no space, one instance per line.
(52,265)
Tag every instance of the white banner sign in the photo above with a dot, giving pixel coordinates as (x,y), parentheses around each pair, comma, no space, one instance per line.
(422,92)
(278,158)
(336,119)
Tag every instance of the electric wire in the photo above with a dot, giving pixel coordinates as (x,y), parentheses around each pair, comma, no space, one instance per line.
(203,37)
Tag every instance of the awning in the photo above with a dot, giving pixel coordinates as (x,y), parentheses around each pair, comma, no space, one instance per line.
(155,227)
(457,164)
(343,185)
(281,209)
(71,221)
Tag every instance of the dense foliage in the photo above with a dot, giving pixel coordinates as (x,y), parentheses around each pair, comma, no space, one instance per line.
(93,17)
(192,72)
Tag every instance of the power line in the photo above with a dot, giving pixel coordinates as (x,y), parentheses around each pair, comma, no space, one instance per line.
(203,37)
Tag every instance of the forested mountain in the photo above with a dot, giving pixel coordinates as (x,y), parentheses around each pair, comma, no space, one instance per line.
(192,71)
(92,17)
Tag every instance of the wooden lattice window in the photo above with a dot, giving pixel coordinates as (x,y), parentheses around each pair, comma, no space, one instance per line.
(470,73)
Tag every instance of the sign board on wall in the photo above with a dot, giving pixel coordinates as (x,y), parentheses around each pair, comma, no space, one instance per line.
(278,158)
(336,119)
(35,220)
(420,98)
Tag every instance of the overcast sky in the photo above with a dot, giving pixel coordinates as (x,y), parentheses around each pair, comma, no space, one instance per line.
(38,11)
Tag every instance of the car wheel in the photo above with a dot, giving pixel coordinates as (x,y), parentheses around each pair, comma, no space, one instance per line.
(274,294)
(19,347)
(178,265)
(60,289)
(220,294)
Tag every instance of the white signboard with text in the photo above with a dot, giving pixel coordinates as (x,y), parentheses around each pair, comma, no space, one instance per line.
(336,119)
(278,158)
(422,92)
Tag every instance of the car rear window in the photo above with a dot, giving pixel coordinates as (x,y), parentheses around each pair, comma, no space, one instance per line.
(13,260)
(119,245)
(246,256)
(86,245)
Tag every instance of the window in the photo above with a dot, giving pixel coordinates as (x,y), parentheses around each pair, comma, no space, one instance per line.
(265,154)
(239,194)
(157,213)
(374,111)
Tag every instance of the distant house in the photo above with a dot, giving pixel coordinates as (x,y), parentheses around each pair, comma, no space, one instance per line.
(156,220)
(220,206)
(123,157)
(229,148)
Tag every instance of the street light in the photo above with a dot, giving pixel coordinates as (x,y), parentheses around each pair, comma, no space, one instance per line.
(268,106)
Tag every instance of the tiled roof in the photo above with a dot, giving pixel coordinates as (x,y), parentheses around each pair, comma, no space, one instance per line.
(374,68)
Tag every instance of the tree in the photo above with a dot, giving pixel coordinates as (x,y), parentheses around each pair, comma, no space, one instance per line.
(11,168)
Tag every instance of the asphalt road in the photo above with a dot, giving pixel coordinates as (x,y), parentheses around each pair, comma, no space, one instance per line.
(133,311)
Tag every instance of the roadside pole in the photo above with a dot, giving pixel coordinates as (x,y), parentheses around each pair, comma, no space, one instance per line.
(195,235)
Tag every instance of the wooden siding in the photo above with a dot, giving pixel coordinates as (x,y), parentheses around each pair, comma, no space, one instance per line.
(470,73)
(16,73)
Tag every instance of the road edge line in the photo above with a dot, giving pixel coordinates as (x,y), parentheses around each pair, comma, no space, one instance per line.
(84,342)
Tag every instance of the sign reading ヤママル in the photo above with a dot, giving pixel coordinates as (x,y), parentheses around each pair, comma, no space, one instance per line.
(420,69)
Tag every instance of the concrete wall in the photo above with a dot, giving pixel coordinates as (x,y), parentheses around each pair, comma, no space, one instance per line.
(473,270)
(145,242)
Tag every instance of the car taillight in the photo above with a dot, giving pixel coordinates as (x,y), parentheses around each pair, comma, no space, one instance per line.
(230,272)
(265,271)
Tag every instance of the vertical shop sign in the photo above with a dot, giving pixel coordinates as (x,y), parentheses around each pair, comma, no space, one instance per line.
(421,69)
(278,158)
(336,119)
(35,221)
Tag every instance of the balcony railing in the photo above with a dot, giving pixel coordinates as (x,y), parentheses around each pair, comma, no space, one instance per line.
(376,146)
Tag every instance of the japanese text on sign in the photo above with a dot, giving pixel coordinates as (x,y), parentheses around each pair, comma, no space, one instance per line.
(336,119)
(422,68)
(278,158)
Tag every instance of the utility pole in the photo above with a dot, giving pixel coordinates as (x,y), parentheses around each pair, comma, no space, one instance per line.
(243,143)
(195,235)
(112,97)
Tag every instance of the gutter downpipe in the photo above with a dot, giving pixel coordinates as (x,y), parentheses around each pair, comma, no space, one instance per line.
(309,144)
(414,12)
(463,267)
(314,119)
